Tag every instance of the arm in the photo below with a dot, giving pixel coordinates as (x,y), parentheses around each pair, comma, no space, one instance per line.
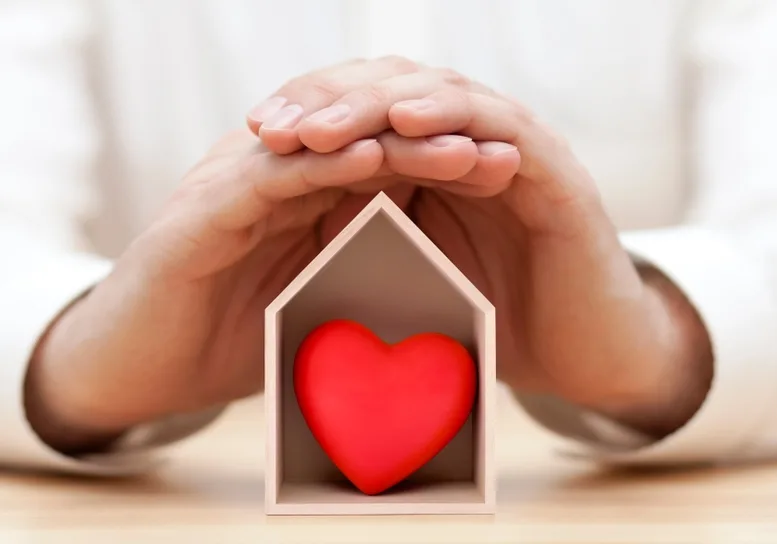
(719,269)
(678,349)
(48,147)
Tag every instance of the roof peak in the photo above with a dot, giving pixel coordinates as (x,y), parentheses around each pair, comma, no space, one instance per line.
(381,203)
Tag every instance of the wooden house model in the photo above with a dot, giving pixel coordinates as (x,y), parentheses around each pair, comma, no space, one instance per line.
(384,272)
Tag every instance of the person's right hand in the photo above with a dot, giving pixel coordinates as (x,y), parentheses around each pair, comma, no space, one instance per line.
(178,325)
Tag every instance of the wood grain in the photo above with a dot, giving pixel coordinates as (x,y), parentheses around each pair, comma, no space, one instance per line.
(212,490)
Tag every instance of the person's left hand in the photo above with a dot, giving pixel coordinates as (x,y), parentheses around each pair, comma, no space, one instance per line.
(575,317)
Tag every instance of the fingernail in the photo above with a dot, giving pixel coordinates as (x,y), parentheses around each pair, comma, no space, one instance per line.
(489,149)
(264,110)
(360,144)
(332,114)
(417,105)
(285,118)
(448,140)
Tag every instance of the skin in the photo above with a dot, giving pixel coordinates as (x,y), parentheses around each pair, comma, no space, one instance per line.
(173,328)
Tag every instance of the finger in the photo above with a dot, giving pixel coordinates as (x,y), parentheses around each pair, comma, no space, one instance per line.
(451,157)
(487,172)
(364,112)
(479,116)
(275,120)
(444,158)
(563,197)
(247,193)
(498,164)
(265,109)
(444,112)
(547,163)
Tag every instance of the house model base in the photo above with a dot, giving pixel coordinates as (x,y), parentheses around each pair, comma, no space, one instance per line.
(383,272)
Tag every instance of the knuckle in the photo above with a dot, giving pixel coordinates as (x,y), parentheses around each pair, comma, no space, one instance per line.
(400,63)
(585,187)
(374,93)
(558,140)
(245,170)
(304,173)
(320,85)
(458,95)
(325,88)
(453,78)
(523,117)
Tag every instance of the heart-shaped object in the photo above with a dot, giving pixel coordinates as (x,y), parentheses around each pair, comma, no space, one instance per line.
(381,411)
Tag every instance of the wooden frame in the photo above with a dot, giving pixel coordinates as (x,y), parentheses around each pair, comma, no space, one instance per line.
(381,257)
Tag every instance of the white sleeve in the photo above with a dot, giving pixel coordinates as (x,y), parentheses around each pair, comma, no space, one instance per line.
(724,257)
(49,142)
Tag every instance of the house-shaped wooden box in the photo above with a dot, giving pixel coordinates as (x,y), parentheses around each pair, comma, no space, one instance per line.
(384,272)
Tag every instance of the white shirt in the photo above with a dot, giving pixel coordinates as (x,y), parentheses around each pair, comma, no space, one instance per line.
(670,103)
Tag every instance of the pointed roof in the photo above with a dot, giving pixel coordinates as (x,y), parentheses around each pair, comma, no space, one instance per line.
(383,204)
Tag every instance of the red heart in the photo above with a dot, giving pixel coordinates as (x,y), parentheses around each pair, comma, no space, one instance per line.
(381,411)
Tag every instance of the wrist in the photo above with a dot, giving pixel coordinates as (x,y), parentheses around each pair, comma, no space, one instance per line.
(676,377)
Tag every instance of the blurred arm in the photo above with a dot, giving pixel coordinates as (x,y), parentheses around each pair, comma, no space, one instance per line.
(49,142)
(723,259)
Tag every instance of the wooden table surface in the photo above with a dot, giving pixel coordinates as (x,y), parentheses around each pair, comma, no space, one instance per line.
(212,491)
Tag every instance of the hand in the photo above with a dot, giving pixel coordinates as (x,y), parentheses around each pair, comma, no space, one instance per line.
(177,326)
(576,318)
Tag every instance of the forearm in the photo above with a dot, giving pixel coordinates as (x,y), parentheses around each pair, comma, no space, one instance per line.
(684,371)
(57,422)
